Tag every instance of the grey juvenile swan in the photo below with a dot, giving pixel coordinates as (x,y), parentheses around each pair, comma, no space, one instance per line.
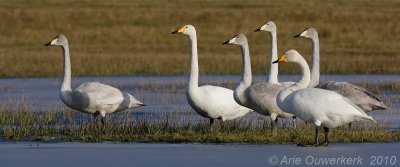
(261,97)
(91,97)
(358,95)
(270,27)
(209,101)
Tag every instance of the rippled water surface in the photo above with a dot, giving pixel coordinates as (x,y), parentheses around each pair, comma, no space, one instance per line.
(166,93)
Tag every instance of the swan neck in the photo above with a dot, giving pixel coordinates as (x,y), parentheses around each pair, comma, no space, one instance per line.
(273,68)
(246,78)
(194,64)
(301,84)
(315,63)
(305,74)
(66,82)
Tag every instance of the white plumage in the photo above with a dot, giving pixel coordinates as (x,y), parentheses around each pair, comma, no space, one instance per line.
(358,95)
(323,108)
(208,101)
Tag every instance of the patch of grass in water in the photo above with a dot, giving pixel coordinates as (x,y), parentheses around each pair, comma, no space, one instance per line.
(123,127)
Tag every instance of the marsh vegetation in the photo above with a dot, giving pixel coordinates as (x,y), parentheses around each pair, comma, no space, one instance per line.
(133,37)
(169,127)
(120,37)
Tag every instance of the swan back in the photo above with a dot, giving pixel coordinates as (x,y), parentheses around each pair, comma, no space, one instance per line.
(215,102)
(364,99)
(101,97)
(323,108)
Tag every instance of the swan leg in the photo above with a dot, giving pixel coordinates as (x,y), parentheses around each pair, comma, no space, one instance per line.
(96,119)
(221,121)
(103,115)
(316,144)
(103,120)
(274,122)
(317,131)
(212,122)
(294,122)
(95,115)
(326,136)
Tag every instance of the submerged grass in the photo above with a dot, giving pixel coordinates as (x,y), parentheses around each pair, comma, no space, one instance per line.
(167,127)
(133,37)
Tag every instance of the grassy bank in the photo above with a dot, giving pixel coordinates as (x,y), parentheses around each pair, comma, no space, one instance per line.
(132,37)
(74,126)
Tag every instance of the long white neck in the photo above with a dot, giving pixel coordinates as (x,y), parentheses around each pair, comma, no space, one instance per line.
(273,68)
(303,82)
(194,64)
(314,63)
(245,81)
(66,83)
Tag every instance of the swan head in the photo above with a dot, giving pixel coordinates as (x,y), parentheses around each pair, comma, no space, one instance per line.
(187,30)
(290,56)
(58,40)
(238,40)
(308,33)
(269,26)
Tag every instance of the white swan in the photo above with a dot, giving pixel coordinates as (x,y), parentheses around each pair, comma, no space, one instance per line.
(92,97)
(323,108)
(358,95)
(261,97)
(211,102)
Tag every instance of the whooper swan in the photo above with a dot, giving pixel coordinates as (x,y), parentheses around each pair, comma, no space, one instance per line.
(92,97)
(261,97)
(358,95)
(323,108)
(209,101)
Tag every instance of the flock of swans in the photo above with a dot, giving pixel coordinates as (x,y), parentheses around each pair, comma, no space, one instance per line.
(325,105)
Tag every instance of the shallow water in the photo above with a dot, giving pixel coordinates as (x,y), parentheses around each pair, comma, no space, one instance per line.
(165,93)
(233,155)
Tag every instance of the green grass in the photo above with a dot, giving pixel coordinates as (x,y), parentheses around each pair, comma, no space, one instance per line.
(133,36)
(123,127)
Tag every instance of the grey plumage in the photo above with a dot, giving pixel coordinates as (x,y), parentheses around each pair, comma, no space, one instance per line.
(358,95)
(92,97)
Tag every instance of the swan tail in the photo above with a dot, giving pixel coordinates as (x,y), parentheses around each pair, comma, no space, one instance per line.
(380,106)
(368,118)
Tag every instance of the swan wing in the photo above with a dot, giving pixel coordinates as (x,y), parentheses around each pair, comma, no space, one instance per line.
(218,102)
(324,106)
(101,94)
(366,100)
(263,94)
